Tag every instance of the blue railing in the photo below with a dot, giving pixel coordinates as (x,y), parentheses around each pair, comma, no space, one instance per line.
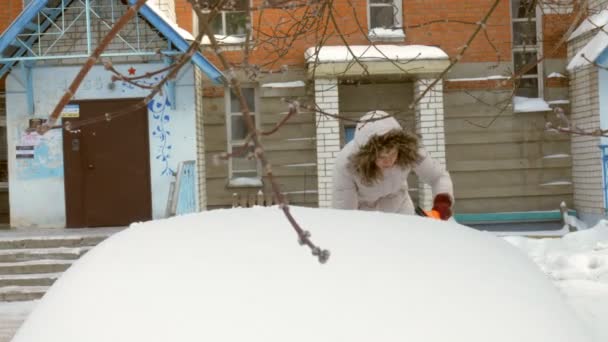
(604,149)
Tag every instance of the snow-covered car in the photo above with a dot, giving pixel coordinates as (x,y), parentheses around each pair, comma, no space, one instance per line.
(240,275)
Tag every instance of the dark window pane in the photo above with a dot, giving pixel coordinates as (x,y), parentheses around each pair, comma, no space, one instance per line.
(238,127)
(349,134)
(249,94)
(527,87)
(523,8)
(381,17)
(521,59)
(236,23)
(524,33)
(381,2)
(216,25)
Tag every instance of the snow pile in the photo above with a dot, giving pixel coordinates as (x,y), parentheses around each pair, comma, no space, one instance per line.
(578,264)
(240,274)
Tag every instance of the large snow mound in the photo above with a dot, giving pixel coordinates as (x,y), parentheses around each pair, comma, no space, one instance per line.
(240,275)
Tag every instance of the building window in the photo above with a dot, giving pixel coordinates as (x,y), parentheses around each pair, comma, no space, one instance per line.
(349,133)
(385,20)
(525,20)
(232,22)
(243,168)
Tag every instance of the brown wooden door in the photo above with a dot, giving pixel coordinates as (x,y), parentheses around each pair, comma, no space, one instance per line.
(107,167)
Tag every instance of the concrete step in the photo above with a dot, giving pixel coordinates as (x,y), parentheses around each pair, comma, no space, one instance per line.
(21,293)
(58,253)
(42,279)
(50,241)
(35,266)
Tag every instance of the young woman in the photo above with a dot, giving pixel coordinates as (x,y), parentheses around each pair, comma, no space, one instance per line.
(370,173)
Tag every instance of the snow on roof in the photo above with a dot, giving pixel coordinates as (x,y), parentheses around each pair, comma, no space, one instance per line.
(555,156)
(221,39)
(293,84)
(590,52)
(386,33)
(487,78)
(591,23)
(556,75)
(526,104)
(328,54)
(185,34)
(246,181)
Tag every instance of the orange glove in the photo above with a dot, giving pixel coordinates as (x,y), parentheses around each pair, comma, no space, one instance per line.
(442,205)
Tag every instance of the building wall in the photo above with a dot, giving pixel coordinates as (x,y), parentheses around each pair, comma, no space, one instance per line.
(291,150)
(184,15)
(587,167)
(36,187)
(200,142)
(472,153)
(512,164)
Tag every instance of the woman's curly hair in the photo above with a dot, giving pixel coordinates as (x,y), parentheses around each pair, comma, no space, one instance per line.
(363,163)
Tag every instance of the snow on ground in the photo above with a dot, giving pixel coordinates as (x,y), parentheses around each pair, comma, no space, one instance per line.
(577,265)
(240,274)
(12,315)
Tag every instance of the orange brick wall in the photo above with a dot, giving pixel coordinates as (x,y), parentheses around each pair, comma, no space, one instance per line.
(461,16)
(183,13)
(9,10)
(554,28)
(458,18)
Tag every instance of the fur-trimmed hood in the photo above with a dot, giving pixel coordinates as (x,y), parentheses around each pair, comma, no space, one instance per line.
(366,129)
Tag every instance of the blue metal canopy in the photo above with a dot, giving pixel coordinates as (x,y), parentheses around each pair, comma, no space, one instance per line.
(180,42)
(40,32)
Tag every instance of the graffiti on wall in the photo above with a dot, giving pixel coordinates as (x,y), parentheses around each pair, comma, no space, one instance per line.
(38,156)
(158,108)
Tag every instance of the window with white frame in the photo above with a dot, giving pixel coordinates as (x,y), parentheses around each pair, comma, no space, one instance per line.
(525,20)
(232,21)
(243,167)
(385,20)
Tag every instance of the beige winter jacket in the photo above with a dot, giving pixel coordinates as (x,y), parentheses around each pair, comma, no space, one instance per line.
(391,193)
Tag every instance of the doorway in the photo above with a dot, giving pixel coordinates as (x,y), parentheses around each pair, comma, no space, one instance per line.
(107,165)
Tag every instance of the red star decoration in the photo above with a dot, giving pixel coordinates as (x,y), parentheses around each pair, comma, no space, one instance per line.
(131,71)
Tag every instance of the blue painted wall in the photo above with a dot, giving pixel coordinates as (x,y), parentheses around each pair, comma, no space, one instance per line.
(36,185)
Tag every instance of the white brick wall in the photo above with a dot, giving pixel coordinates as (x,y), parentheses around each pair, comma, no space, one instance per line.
(200,143)
(586,155)
(328,137)
(429,125)
(165,6)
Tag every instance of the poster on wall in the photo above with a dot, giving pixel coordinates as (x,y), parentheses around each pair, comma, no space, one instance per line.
(38,156)
(71,111)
